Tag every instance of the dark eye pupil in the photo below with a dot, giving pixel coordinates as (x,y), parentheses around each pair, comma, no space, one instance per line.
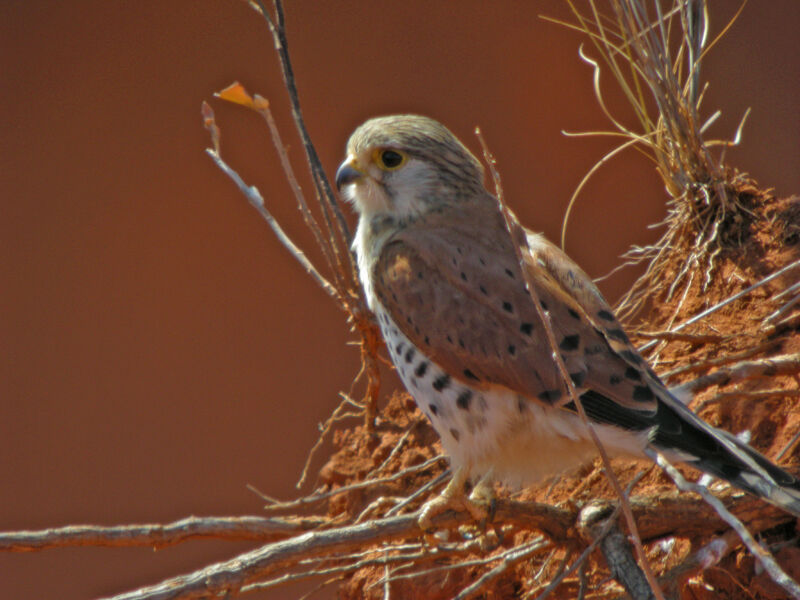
(391,158)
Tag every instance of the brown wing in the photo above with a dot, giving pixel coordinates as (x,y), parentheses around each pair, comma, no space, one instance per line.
(605,369)
(459,295)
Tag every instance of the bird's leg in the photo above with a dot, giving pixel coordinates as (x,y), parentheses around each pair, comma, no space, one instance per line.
(480,503)
(482,499)
(452,497)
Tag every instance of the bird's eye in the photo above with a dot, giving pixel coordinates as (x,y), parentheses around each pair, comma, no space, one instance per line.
(390,159)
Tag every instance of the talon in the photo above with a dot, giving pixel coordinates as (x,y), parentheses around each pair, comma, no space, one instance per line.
(452,497)
(482,503)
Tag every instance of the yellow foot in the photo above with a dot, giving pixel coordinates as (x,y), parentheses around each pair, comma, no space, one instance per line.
(480,504)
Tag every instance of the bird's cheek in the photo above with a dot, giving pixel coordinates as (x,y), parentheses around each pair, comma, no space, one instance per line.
(371,198)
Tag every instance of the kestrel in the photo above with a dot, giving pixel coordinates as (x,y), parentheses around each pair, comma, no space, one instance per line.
(441,274)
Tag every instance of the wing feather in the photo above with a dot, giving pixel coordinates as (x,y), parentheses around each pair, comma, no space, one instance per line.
(462,300)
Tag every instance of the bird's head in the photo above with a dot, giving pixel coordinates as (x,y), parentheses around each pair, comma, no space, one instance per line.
(405,165)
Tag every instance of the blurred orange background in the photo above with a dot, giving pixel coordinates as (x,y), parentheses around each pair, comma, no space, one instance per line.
(160,350)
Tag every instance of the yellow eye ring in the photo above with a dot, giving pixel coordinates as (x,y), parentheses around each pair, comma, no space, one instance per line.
(388,159)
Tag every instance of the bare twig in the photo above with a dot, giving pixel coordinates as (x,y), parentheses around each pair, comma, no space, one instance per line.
(507,560)
(702,365)
(729,300)
(762,555)
(158,534)
(786,364)
(705,557)
(317,497)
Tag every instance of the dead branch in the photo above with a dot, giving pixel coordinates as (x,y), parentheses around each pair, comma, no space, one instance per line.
(762,554)
(597,523)
(160,535)
(660,516)
(702,365)
(786,364)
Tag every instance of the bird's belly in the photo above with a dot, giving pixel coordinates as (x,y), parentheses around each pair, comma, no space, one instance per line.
(496,429)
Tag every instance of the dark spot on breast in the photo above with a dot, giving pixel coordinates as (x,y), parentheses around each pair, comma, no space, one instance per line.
(434,408)
(617,334)
(605,315)
(633,374)
(483,262)
(573,313)
(461,343)
(463,399)
(427,340)
(526,328)
(458,250)
(394,296)
(463,276)
(642,393)
(543,304)
(550,395)
(614,379)
(470,375)
(410,354)
(419,275)
(441,382)
(421,369)
(570,342)
(510,273)
(409,321)
(448,338)
(631,356)
(483,290)
(512,349)
(508,307)
(577,378)
(454,433)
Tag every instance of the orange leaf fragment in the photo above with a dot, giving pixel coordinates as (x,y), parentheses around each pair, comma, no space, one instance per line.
(236,93)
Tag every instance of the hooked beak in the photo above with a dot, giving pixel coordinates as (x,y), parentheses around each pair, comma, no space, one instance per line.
(348,173)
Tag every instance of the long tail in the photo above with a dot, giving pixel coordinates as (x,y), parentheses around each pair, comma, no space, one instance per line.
(677,432)
(721,454)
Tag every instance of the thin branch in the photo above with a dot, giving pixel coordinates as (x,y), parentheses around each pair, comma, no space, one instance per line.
(159,535)
(257,201)
(507,560)
(513,228)
(316,497)
(729,300)
(785,364)
(762,555)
